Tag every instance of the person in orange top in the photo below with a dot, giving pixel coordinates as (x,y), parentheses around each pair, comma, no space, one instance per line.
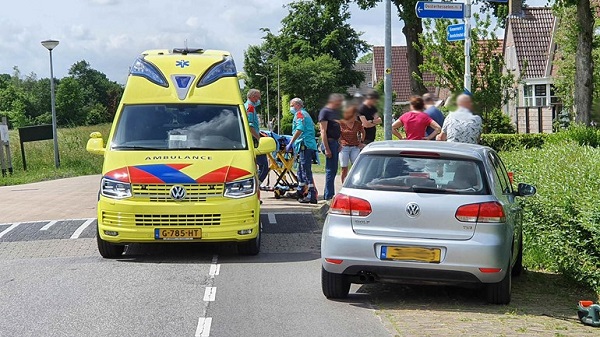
(351,139)
(415,122)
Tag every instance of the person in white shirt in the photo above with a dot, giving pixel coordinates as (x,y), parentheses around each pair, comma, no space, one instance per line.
(462,126)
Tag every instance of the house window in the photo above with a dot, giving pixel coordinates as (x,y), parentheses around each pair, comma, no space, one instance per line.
(554,99)
(535,95)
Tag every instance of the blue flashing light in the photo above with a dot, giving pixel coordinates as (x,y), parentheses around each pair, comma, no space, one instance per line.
(225,68)
(149,71)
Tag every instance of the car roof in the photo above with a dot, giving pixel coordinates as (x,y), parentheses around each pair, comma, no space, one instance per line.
(447,148)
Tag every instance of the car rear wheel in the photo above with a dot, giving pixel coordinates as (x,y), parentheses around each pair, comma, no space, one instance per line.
(335,286)
(109,250)
(517,269)
(499,293)
(250,247)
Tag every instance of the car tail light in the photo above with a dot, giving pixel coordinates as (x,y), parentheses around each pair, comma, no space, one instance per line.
(334,261)
(346,205)
(483,212)
(490,270)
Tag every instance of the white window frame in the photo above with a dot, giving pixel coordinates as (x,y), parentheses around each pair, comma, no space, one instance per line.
(531,99)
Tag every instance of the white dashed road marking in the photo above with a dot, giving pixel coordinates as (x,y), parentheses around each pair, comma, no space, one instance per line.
(214,270)
(272,218)
(48,225)
(10,228)
(210,293)
(81,228)
(203,329)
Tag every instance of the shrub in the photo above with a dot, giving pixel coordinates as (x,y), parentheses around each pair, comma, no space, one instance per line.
(582,135)
(496,121)
(562,223)
(509,142)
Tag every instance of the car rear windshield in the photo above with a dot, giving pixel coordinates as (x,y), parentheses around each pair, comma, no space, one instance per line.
(418,174)
(180,127)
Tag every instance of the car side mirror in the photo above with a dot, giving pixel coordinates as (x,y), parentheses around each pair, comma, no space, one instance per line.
(95,144)
(526,190)
(265,145)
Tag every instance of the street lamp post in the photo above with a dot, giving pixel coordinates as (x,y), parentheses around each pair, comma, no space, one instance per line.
(278,92)
(50,45)
(268,112)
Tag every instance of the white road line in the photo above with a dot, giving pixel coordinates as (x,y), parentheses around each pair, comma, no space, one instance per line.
(210,293)
(10,228)
(203,329)
(272,219)
(81,228)
(48,225)
(214,270)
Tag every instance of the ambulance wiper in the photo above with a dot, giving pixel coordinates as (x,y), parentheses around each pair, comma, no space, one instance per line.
(135,147)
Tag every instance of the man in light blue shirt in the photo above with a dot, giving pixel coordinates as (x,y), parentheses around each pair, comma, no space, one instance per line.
(304,144)
(251,104)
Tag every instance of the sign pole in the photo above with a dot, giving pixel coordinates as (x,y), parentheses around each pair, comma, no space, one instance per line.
(468,47)
(387,85)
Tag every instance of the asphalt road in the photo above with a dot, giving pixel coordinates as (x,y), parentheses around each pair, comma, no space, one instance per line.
(54,283)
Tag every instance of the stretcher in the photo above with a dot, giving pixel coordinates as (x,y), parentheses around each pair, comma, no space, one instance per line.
(282,164)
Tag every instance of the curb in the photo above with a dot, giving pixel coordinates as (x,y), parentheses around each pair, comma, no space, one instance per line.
(320,213)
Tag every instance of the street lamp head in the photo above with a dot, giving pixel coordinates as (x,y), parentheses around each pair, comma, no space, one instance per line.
(50,44)
(259,74)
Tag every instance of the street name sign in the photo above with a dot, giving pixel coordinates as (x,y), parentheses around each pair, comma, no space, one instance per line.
(455,32)
(440,10)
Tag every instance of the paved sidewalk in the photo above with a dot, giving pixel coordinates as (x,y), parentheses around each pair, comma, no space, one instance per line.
(75,198)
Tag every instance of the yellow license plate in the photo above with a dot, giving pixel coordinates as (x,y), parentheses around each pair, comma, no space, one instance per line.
(430,255)
(177,234)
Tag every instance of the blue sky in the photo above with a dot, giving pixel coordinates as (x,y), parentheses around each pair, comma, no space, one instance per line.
(111,33)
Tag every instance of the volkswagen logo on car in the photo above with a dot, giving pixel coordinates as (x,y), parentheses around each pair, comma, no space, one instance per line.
(413,210)
(178,192)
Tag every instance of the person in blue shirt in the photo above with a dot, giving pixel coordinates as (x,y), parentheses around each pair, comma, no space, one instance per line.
(304,144)
(433,112)
(251,104)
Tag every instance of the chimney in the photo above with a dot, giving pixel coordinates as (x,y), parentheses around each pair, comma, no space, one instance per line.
(515,8)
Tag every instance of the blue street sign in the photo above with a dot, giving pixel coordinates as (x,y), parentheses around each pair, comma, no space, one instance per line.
(455,32)
(440,10)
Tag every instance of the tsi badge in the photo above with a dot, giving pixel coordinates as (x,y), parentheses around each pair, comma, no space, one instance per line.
(178,192)
(413,210)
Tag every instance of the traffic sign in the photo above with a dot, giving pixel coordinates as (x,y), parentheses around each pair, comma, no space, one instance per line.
(455,32)
(502,1)
(440,10)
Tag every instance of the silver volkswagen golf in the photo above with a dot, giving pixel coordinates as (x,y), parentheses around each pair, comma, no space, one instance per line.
(425,212)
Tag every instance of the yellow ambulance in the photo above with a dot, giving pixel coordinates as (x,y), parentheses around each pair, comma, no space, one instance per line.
(179,162)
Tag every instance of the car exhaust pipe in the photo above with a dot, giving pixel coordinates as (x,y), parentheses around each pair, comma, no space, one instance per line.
(366,277)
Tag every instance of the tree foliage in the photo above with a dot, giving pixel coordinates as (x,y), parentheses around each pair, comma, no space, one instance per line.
(86,96)
(316,37)
(491,86)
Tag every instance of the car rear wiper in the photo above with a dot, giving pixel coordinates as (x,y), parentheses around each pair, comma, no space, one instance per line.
(425,189)
(134,147)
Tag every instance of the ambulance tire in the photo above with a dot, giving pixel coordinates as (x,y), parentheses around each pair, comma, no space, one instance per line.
(250,247)
(109,250)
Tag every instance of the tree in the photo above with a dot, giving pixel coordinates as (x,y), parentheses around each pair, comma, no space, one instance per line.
(366,58)
(70,102)
(311,79)
(491,86)
(584,65)
(577,83)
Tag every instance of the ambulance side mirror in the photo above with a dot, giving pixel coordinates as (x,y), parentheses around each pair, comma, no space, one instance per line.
(265,145)
(95,144)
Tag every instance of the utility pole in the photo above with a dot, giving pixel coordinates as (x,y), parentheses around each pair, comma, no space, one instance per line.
(387,112)
(468,47)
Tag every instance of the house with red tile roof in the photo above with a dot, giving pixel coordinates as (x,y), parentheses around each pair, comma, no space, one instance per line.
(529,51)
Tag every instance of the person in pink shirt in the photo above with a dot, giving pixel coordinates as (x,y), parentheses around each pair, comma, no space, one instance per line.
(415,122)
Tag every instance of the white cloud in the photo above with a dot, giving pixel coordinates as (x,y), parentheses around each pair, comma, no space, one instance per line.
(105,2)
(193,22)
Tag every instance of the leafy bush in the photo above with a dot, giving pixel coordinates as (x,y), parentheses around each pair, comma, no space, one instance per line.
(509,142)
(496,121)
(582,135)
(561,223)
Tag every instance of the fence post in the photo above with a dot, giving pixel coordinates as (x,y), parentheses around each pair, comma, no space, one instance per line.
(527,120)
(540,126)
(517,118)
(5,160)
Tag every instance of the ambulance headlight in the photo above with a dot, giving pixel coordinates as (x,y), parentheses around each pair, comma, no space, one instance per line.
(225,68)
(115,189)
(149,71)
(240,188)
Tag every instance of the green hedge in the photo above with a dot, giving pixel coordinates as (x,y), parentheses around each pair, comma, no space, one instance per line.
(562,223)
(509,142)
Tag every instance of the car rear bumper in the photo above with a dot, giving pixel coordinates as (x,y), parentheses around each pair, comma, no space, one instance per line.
(220,220)
(461,260)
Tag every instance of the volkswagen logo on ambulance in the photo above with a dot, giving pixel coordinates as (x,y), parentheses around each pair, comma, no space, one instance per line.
(413,210)
(178,192)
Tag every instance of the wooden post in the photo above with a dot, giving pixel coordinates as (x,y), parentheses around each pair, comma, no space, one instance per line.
(5,160)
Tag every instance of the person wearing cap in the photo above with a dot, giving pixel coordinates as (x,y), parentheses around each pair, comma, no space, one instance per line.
(304,144)
(367,113)
(432,110)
